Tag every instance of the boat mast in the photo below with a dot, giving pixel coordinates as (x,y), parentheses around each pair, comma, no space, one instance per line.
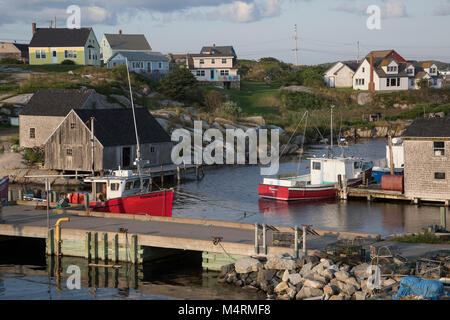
(138,147)
(331,148)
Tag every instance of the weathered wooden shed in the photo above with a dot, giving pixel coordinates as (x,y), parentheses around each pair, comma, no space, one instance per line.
(70,147)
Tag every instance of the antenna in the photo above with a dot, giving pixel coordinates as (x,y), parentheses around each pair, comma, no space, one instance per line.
(296,47)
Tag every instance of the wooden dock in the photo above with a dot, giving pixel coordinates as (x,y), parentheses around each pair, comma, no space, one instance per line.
(374,192)
(138,239)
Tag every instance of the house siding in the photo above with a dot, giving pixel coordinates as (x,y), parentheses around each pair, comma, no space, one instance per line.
(44,127)
(78,140)
(420,166)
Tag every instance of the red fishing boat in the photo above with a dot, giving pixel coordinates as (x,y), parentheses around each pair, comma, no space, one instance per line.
(321,183)
(128,193)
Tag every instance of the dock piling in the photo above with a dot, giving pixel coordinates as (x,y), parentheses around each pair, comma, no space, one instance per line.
(178,175)
(10,195)
(264,244)
(115,248)
(86,201)
(296,242)
(105,246)
(88,246)
(50,242)
(256,238)
(444,218)
(304,240)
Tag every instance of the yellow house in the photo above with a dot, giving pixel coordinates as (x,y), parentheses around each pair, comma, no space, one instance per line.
(54,45)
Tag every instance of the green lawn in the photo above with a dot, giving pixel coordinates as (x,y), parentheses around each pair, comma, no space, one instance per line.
(257,98)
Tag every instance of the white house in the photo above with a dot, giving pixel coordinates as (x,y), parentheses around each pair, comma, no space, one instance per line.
(388,71)
(216,65)
(140,62)
(340,75)
(113,43)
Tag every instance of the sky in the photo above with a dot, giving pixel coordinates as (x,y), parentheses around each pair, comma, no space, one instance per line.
(328,30)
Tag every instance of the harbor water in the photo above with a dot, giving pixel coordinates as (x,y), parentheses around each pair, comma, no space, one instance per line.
(228,193)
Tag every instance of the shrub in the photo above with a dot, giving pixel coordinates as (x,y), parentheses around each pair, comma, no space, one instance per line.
(179,84)
(34,155)
(232,109)
(68,62)
(8,60)
(213,100)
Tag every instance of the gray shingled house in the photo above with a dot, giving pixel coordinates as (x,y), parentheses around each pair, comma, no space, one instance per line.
(113,43)
(69,148)
(427,159)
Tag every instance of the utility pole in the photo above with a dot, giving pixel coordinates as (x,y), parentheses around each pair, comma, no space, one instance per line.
(331,135)
(296,46)
(357,53)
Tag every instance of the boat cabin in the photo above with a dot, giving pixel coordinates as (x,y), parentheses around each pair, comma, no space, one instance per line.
(121,183)
(326,170)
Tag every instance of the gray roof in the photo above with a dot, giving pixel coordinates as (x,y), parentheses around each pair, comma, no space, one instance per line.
(219,50)
(429,128)
(56,102)
(128,42)
(141,56)
(60,37)
(115,127)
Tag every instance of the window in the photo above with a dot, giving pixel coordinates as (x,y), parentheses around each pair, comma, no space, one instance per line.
(224,72)
(68,151)
(224,61)
(439,175)
(32,133)
(439,148)
(393,82)
(145,183)
(72,126)
(388,83)
(152,149)
(398,82)
(410,71)
(40,54)
(363,69)
(136,184)
(201,73)
(412,82)
(357,165)
(160,65)
(114,186)
(70,54)
(213,61)
(202,61)
(316,165)
(128,185)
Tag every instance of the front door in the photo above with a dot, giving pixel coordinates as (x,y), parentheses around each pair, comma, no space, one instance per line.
(149,67)
(54,56)
(126,157)
(212,74)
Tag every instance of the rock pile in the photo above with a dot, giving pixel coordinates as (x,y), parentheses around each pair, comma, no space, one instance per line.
(311,277)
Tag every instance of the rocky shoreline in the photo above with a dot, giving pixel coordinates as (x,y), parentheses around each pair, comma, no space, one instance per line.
(318,277)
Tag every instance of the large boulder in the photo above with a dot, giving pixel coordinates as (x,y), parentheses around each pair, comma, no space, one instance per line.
(331,290)
(361,271)
(313,284)
(280,263)
(265,275)
(306,269)
(342,275)
(308,292)
(347,289)
(295,279)
(281,287)
(247,265)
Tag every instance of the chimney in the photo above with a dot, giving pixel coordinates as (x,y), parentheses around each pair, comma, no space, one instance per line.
(120,31)
(371,83)
(33,27)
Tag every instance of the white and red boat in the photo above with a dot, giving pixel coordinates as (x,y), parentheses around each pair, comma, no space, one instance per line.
(129,193)
(321,183)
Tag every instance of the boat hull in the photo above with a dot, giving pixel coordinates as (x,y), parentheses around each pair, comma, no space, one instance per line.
(325,191)
(157,203)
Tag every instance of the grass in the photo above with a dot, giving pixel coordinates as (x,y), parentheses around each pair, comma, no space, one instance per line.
(427,237)
(256,98)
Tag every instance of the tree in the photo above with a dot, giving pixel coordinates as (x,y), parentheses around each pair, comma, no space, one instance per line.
(178,83)
(423,84)
(213,100)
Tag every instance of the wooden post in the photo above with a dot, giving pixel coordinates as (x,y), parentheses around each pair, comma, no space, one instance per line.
(10,195)
(391,157)
(196,171)
(134,249)
(304,240)
(20,195)
(105,246)
(256,238)
(86,201)
(184,165)
(162,177)
(115,248)
(178,175)
(264,239)
(296,242)
(50,242)
(95,246)
(88,246)
(345,187)
(444,218)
